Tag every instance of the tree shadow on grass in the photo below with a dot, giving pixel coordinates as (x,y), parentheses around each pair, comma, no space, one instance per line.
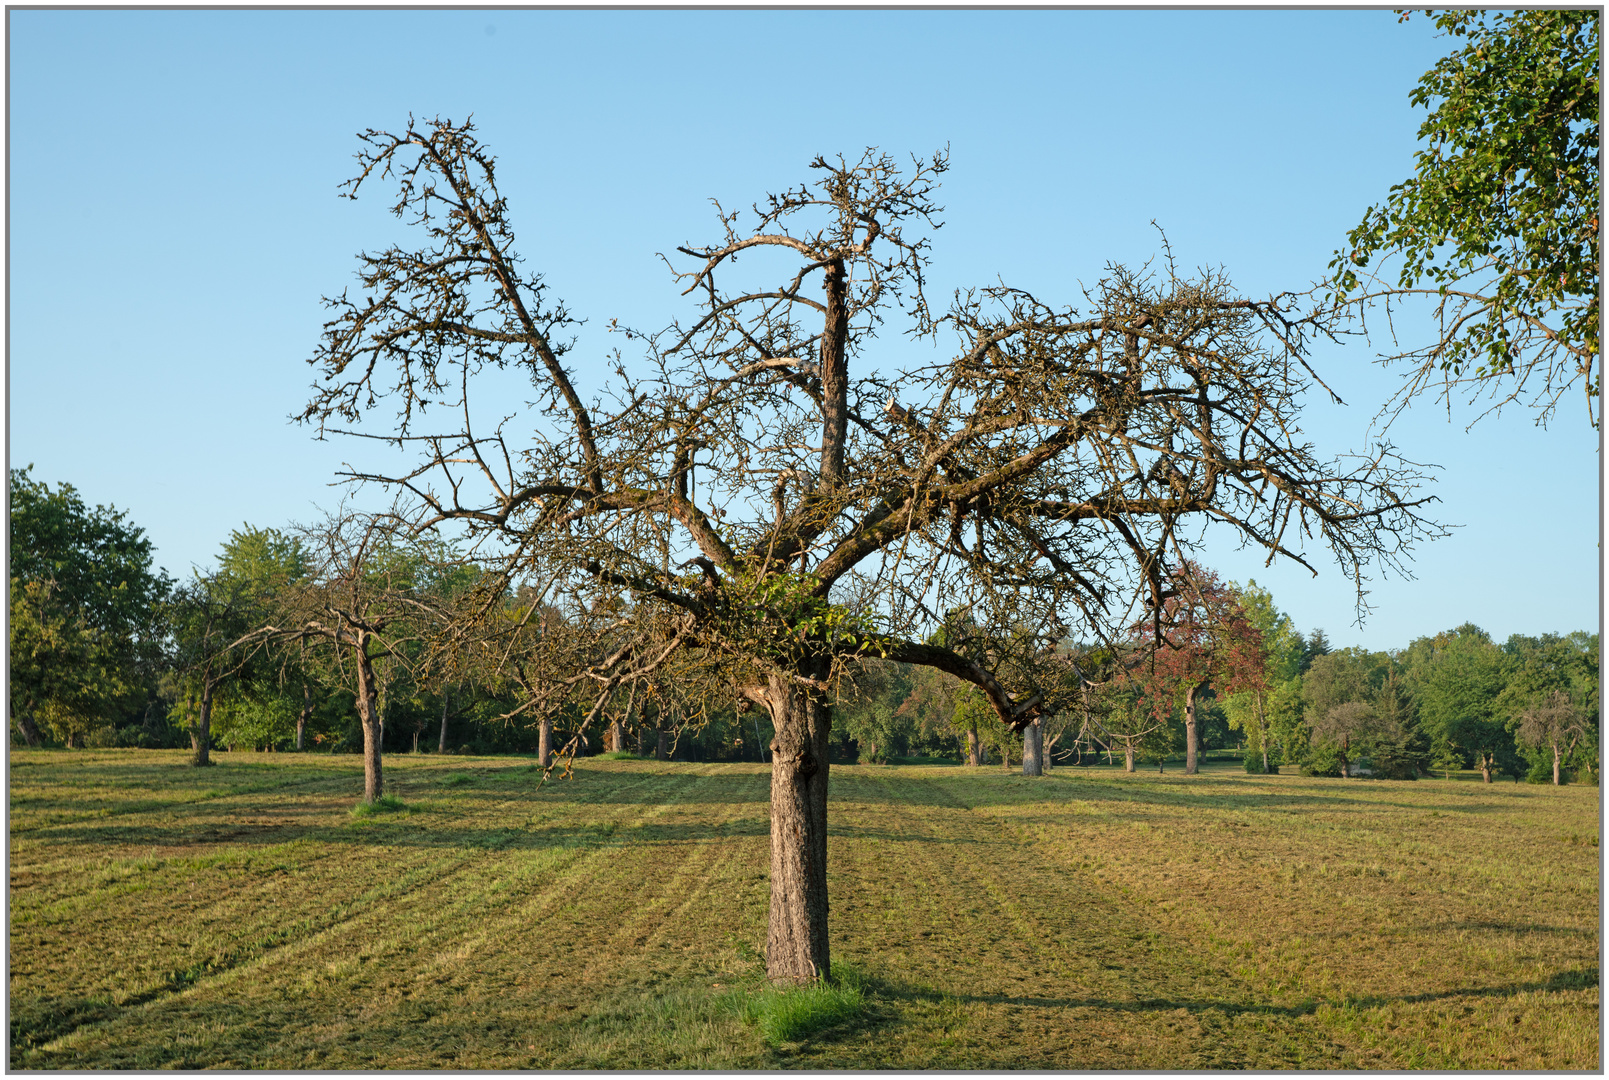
(1571,979)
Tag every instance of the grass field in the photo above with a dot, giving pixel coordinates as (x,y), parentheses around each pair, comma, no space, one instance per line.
(243,917)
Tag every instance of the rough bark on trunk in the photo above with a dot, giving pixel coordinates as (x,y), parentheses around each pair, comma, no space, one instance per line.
(972,745)
(834,375)
(796,944)
(369,718)
(1486,768)
(1128,758)
(1033,743)
(544,742)
(301,717)
(1555,764)
(1190,728)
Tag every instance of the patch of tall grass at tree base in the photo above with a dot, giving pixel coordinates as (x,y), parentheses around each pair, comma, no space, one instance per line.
(791,1014)
(385,804)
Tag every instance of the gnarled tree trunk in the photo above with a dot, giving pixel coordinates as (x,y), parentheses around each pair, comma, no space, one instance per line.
(796,946)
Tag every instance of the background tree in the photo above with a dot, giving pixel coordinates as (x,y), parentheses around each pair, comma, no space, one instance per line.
(362,599)
(1456,677)
(1499,223)
(208,619)
(789,518)
(1256,711)
(1544,674)
(1557,725)
(1199,639)
(85,608)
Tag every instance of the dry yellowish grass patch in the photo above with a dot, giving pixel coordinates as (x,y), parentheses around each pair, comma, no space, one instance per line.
(240,916)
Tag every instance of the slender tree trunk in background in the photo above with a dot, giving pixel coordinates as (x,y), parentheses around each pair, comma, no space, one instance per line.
(544,742)
(202,738)
(972,745)
(661,745)
(441,741)
(1262,731)
(1128,757)
(1555,765)
(301,717)
(1486,767)
(369,718)
(1005,752)
(759,742)
(796,943)
(1033,745)
(1047,754)
(1346,764)
(1190,763)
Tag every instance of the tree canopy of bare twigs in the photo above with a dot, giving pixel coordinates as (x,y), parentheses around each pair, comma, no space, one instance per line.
(786,506)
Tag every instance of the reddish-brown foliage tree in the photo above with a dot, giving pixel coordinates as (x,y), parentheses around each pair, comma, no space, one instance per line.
(1197,638)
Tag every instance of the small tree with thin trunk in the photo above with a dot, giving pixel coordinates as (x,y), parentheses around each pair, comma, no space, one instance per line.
(1558,725)
(785,505)
(363,599)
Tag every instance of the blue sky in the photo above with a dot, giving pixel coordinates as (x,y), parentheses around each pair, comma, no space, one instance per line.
(174,222)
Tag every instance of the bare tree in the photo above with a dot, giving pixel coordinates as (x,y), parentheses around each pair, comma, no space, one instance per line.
(363,599)
(787,518)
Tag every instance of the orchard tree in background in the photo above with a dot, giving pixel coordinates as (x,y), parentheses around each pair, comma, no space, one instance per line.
(1198,639)
(1499,225)
(788,505)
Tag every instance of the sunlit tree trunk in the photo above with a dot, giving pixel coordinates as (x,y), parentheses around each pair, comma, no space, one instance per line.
(369,719)
(1128,757)
(441,741)
(972,745)
(796,945)
(1190,728)
(544,742)
(1033,744)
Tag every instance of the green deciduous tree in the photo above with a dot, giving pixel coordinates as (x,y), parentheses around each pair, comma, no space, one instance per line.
(1251,710)
(1499,223)
(1455,678)
(85,608)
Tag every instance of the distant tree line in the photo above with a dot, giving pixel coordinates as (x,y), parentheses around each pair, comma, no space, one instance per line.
(107,650)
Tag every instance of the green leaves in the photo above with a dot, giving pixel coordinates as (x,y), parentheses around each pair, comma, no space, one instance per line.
(1500,219)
